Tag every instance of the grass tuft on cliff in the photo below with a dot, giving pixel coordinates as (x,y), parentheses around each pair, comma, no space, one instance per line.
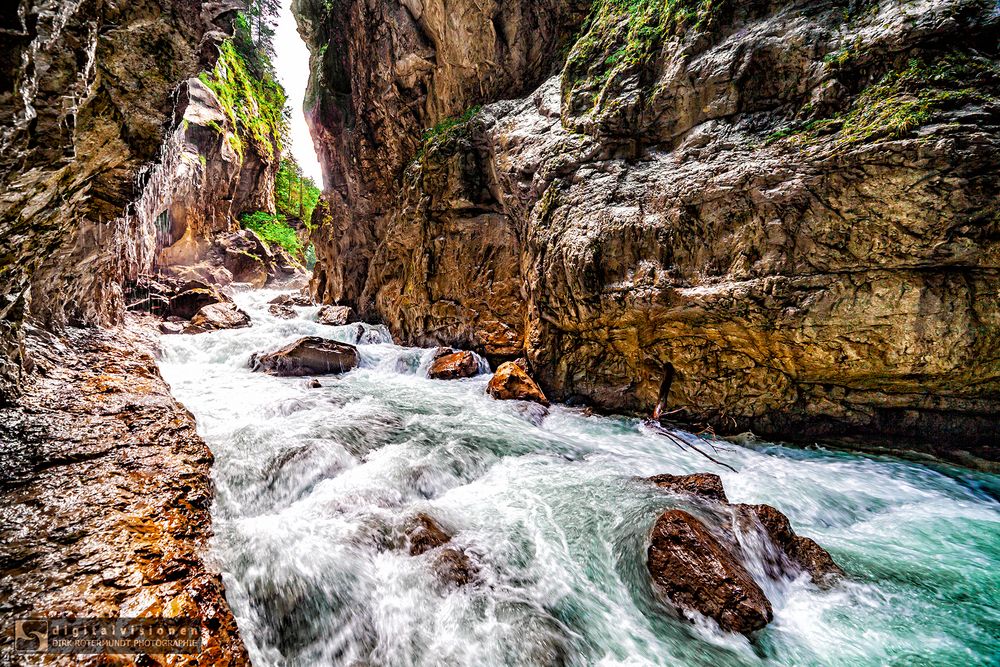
(621,38)
(904,99)
(446,129)
(250,95)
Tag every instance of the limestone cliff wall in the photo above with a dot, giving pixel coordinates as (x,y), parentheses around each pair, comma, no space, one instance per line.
(791,204)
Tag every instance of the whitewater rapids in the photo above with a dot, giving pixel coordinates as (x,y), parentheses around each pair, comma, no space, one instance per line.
(314,486)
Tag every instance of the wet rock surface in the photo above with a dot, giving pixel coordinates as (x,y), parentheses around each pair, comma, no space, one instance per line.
(453,567)
(218,316)
(700,569)
(698,573)
(106,492)
(283,312)
(512,383)
(336,316)
(803,552)
(705,485)
(307,356)
(451,365)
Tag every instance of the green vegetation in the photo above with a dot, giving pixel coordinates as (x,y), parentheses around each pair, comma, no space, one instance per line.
(295,195)
(446,129)
(273,229)
(622,36)
(251,98)
(905,99)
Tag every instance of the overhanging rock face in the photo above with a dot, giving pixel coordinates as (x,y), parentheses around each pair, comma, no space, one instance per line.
(791,205)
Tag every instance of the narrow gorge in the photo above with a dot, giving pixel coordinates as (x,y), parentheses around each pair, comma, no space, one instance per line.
(604,332)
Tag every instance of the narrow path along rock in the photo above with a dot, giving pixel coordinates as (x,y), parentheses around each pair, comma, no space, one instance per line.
(511,382)
(451,365)
(307,356)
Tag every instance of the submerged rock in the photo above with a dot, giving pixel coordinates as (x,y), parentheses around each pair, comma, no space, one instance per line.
(283,312)
(695,572)
(217,316)
(307,356)
(336,316)
(511,382)
(801,551)
(455,568)
(705,485)
(424,534)
(452,365)
(294,299)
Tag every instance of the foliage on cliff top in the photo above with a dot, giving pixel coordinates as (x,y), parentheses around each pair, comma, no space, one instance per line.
(243,80)
(623,36)
(905,99)
(273,229)
(295,195)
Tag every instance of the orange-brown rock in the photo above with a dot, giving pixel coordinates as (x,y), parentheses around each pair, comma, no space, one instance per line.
(307,356)
(451,365)
(107,494)
(695,572)
(511,382)
(454,567)
(704,484)
(425,534)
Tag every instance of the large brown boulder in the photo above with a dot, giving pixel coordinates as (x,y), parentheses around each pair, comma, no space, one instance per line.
(696,572)
(452,365)
(218,316)
(188,302)
(511,382)
(336,316)
(703,484)
(307,356)
(803,552)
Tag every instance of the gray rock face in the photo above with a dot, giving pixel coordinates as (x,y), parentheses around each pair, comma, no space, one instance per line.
(791,204)
(307,356)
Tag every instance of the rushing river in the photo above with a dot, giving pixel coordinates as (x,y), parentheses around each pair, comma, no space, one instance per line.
(315,485)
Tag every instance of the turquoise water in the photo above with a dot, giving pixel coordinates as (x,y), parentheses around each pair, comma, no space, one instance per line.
(315,486)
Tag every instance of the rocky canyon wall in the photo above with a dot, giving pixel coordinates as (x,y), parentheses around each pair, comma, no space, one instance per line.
(87,94)
(792,206)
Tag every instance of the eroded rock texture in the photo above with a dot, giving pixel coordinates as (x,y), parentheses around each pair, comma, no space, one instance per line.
(106,489)
(794,204)
(86,95)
